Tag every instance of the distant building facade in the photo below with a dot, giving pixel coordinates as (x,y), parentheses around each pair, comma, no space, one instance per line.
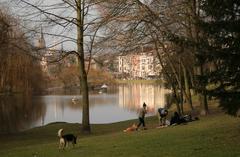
(142,65)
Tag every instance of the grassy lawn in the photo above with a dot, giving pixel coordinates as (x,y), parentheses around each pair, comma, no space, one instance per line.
(216,135)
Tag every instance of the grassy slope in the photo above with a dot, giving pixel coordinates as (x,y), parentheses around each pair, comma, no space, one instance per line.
(216,135)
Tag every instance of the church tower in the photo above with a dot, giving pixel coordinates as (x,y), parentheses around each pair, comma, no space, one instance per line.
(41,45)
(41,41)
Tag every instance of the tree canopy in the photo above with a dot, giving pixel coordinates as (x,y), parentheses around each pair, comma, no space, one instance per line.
(221,27)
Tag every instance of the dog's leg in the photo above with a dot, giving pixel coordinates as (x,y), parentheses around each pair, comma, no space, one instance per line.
(65,144)
(60,145)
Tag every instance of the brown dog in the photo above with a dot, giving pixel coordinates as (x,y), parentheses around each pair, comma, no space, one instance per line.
(131,128)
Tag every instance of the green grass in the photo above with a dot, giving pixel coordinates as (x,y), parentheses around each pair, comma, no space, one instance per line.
(215,135)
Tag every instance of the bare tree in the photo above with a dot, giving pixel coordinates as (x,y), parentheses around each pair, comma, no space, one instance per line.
(73,22)
(136,23)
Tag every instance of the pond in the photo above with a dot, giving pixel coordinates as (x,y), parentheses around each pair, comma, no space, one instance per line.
(119,103)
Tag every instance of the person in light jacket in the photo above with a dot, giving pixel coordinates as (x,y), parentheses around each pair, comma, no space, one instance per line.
(141,116)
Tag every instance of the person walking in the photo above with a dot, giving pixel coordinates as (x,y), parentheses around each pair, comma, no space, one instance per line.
(141,116)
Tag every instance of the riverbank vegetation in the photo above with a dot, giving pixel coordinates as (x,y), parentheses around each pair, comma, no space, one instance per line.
(215,135)
(67,77)
(19,71)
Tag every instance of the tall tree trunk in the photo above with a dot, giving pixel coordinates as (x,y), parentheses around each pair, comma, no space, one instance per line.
(177,77)
(181,90)
(191,75)
(82,70)
(202,91)
(177,100)
(199,75)
(169,79)
(187,88)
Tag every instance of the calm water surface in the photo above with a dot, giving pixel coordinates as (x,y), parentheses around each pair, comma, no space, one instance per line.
(118,104)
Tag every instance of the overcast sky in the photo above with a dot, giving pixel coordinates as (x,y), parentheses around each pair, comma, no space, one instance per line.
(35,21)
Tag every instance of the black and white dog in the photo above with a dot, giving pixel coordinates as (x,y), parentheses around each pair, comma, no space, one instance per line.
(64,139)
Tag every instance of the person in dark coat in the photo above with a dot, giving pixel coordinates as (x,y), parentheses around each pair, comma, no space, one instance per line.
(162,113)
(175,119)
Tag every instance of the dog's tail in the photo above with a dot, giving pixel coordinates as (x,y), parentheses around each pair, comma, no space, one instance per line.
(60,132)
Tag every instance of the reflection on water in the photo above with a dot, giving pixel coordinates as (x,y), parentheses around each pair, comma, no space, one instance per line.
(17,113)
(122,103)
(133,96)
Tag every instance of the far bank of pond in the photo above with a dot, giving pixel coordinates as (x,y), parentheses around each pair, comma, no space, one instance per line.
(140,81)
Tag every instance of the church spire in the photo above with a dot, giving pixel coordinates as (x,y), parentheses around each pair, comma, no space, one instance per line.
(41,40)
